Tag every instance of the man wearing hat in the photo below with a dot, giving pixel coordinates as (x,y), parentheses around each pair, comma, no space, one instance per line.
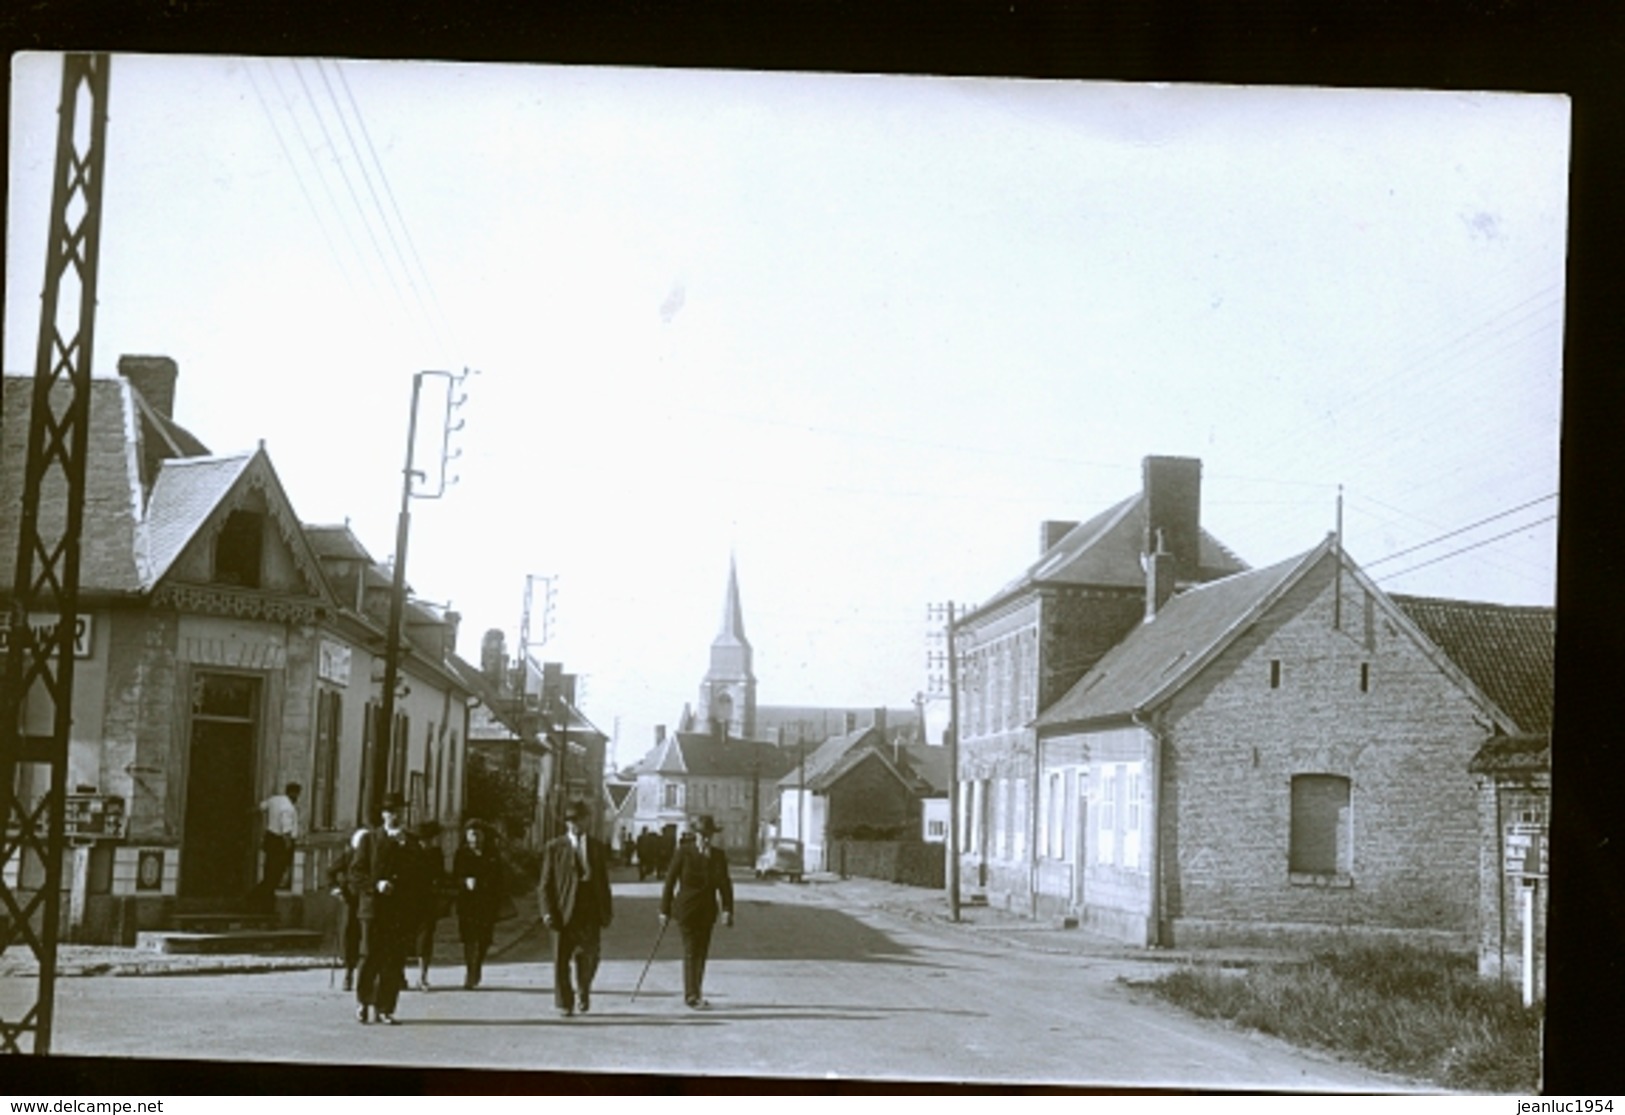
(384,877)
(575,901)
(697,888)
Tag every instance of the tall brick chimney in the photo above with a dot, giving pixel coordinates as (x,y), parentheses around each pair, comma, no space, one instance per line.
(493,657)
(1159,578)
(1050,532)
(451,621)
(1173,510)
(154,377)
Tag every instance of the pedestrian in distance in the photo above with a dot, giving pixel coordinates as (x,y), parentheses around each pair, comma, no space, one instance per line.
(338,884)
(281,813)
(477,873)
(384,875)
(646,853)
(698,889)
(433,898)
(575,899)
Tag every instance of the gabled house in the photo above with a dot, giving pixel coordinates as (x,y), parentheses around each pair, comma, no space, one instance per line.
(1276,754)
(222,657)
(860,784)
(1027,645)
(688,774)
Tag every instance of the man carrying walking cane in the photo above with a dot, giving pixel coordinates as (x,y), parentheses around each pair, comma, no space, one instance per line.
(697,889)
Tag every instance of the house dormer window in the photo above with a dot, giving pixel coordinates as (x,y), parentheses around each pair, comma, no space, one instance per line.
(238,548)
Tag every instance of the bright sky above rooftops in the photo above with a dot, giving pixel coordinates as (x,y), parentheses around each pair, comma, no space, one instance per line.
(863,332)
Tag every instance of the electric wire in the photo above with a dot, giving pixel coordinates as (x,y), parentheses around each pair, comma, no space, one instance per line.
(1465,549)
(304,190)
(349,187)
(400,219)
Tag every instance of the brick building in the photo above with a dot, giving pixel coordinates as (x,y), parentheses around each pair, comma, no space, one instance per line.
(1027,644)
(1280,753)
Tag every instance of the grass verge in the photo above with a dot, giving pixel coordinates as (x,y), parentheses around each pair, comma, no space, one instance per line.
(1396,1008)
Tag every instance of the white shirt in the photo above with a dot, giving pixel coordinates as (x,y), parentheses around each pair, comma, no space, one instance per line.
(280,816)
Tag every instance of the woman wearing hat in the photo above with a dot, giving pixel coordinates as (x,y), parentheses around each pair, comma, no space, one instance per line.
(575,901)
(478,876)
(697,889)
(384,877)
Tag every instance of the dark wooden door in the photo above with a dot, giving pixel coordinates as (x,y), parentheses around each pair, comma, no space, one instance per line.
(217,850)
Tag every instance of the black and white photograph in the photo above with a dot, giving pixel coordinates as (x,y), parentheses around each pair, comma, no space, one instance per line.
(775,575)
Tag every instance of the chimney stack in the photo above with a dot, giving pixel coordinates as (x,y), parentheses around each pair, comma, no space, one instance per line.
(1050,532)
(660,734)
(1173,510)
(154,377)
(453,620)
(493,657)
(880,720)
(1159,578)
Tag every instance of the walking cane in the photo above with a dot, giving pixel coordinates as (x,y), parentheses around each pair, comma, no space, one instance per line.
(338,939)
(651,959)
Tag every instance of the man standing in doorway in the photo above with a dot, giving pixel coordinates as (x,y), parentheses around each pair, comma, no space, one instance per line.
(575,900)
(697,888)
(281,830)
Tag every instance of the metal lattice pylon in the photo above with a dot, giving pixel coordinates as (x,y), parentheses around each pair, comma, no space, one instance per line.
(39,660)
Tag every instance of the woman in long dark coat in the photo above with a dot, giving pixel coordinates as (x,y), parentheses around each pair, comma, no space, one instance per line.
(477,874)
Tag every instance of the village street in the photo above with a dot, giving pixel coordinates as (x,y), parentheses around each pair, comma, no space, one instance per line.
(837,979)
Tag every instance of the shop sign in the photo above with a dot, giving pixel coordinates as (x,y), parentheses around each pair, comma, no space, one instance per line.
(44,627)
(333,662)
(1525,850)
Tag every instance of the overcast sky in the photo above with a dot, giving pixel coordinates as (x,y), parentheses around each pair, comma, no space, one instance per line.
(864,333)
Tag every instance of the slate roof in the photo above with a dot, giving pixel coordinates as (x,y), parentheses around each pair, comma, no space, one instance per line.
(930,764)
(836,756)
(816,723)
(1105,552)
(1507,650)
(700,755)
(338,542)
(823,759)
(184,495)
(1188,629)
(113,496)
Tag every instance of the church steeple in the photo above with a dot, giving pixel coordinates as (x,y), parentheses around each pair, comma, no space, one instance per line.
(733,619)
(728,693)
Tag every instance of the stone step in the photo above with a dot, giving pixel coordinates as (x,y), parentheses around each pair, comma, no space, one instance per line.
(243,942)
(219,921)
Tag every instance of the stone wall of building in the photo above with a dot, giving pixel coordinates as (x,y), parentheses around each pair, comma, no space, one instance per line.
(1352,696)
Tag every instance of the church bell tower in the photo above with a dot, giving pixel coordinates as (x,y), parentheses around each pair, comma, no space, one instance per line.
(728,693)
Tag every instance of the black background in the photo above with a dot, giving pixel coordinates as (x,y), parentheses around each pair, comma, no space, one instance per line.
(1513,45)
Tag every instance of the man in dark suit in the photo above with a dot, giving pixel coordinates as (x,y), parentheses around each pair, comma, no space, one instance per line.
(575,901)
(697,889)
(384,874)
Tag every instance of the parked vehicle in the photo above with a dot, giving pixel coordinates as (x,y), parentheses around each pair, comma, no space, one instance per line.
(782,859)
